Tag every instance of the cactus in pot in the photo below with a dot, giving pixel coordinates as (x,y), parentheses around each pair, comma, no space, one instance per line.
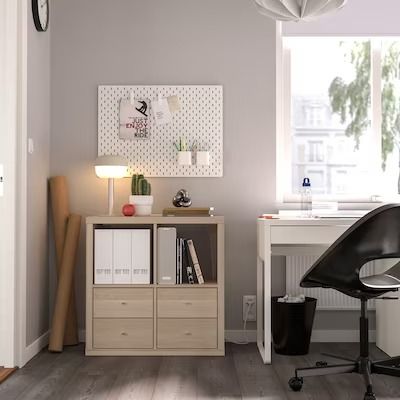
(141,195)
(140,186)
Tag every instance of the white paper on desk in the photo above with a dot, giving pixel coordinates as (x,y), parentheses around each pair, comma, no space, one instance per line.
(324,207)
(161,111)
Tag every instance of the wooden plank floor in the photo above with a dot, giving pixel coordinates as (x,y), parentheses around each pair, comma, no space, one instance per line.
(239,375)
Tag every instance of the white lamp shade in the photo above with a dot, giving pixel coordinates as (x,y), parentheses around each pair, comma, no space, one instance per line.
(111,167)
(297,10)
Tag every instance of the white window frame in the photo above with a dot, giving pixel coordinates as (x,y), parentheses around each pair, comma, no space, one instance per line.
(283,125)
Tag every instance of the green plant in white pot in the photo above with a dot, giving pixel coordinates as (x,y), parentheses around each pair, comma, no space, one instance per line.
(141,195)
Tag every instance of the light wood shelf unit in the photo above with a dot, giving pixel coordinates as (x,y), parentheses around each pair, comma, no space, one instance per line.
(157,319)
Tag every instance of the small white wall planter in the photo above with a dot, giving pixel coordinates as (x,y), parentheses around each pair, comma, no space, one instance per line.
(184,157)
(143,204)
(202,157)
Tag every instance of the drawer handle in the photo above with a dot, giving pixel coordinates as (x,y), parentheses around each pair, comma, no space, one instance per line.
(123,303)
(187,333)
(188,303)
(124,334)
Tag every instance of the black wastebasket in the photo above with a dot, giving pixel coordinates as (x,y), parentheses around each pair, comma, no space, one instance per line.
(292,326)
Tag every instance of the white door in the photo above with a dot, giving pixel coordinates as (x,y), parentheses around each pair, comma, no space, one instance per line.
(10,140)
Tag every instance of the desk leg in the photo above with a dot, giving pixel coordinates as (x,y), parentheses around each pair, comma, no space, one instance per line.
(264,307)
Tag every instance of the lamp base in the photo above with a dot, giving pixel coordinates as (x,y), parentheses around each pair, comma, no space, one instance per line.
(110,196)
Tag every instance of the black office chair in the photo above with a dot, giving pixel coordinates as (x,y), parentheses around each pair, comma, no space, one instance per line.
(374,236)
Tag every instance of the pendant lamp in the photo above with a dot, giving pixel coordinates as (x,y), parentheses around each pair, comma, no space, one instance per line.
(298,10)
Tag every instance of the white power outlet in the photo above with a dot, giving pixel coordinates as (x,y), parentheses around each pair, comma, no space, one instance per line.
(249,308)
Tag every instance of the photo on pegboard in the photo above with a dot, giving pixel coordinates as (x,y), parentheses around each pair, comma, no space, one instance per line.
(161,111)
(134,121)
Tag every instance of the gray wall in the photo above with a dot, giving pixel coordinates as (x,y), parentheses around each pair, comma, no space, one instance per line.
(171,42)
(224,42)
(38,120)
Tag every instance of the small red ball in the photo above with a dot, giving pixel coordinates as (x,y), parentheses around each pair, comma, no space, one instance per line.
(128,210)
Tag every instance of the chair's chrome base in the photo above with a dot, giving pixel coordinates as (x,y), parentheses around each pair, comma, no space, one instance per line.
(363,365)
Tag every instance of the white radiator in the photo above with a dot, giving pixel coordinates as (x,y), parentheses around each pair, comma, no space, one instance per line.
(328,299)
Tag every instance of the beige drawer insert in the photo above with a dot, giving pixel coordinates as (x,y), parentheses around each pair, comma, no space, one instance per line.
(123,303)
(187,333)
(126,333)
(187,303)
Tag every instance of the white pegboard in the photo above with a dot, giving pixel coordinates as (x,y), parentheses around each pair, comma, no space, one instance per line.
(200,118)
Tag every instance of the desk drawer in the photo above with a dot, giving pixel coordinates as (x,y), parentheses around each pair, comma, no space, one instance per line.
(124,333)
(306,234)
(187,303)
(123,303)
(187,333)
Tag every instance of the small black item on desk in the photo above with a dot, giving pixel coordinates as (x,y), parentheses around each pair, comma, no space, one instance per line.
(182,199)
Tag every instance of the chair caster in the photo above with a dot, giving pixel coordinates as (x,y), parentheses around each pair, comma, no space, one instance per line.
(369,396)
(296,384)
(321,364)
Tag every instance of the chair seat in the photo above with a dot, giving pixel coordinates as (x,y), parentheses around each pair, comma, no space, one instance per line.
(381,281)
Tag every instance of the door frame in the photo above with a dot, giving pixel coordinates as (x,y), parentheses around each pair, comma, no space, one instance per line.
(13,205)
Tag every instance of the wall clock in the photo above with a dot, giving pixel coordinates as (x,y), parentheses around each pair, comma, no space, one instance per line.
(40,11)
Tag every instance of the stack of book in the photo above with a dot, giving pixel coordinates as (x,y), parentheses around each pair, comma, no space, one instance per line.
(188,269)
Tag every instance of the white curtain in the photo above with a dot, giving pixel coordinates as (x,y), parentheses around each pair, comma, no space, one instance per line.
(298,10)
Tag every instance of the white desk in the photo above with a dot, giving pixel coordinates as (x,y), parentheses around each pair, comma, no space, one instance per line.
(287,236)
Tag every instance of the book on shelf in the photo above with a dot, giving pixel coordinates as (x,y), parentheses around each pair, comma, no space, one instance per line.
(185,269)
(179,261)
(190,274)
(194,260)
(188,212)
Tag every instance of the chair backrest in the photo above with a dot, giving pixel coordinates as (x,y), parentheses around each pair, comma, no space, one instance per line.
(374,236)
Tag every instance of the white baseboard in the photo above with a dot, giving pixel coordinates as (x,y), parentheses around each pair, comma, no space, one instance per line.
(318,336)
(240,336)
(34,348)
(339,336)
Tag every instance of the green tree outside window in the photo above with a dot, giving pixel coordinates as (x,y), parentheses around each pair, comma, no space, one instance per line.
(352,100)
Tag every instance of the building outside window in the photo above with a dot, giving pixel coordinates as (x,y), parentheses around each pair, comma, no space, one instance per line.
(342,115)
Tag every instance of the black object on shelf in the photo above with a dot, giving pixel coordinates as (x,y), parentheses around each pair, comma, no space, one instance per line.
(292,326)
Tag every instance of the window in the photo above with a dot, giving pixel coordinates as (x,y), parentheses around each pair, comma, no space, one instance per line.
(315,153)
(341,111)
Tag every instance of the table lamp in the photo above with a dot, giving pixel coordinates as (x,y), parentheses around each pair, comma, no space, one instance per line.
(110,167)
